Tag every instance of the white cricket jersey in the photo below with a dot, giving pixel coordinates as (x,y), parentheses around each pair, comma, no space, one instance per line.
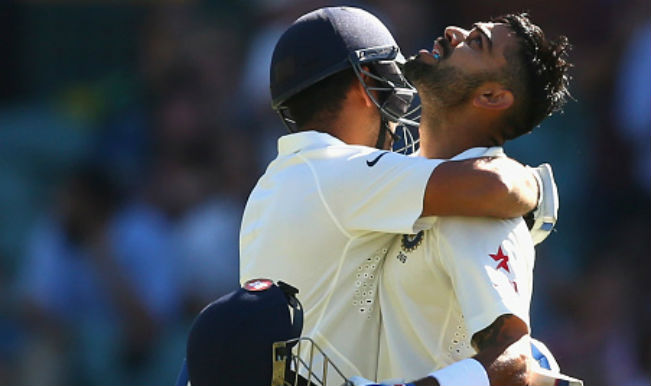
(321,218)
(441,286)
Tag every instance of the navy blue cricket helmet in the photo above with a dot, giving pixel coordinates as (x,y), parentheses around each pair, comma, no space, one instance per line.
(231,340)
(328,40)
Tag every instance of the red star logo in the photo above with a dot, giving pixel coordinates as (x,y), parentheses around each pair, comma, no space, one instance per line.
(501,256)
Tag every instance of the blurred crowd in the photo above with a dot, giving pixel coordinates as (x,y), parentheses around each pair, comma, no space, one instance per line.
(132,131)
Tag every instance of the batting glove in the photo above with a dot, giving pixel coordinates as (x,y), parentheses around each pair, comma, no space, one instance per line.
(548,372)
(543,356)
(543,219)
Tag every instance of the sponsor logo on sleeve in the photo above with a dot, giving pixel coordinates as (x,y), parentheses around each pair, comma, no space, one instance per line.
(502,258)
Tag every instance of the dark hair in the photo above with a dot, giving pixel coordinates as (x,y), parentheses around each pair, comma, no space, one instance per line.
(538,72)
(322,100)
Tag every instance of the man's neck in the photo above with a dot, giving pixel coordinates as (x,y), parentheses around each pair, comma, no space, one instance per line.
(445,135)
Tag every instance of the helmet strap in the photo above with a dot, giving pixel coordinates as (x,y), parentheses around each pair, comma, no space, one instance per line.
(289,123)
(382,135)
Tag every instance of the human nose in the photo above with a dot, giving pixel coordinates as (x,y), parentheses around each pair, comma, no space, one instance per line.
(455,35)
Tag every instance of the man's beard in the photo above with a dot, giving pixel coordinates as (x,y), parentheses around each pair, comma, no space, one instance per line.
(443,87)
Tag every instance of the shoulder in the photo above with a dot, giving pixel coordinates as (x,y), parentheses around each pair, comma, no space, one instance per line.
(365,157)
(482,236)
(344,165)
(479,227)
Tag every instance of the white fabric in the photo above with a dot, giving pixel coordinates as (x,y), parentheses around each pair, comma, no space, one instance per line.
(434,295)
(321,219)
(467,372)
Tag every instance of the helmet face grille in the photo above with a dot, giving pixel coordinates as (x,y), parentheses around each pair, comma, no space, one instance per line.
(311,367)
(400,93)
(408,141)
(397,100)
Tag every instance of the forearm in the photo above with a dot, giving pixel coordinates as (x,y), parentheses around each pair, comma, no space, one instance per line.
(504,352)
(492,187)
(507,366)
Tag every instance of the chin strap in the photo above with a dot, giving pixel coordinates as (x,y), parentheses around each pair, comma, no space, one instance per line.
(382,135)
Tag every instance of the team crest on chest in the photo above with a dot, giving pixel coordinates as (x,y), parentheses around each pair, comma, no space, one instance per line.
(411,242)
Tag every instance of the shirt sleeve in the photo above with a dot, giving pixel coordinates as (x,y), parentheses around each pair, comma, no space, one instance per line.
(490,264)
(376,191)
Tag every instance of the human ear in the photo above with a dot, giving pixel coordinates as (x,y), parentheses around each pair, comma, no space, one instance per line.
(493,96)
(368,102)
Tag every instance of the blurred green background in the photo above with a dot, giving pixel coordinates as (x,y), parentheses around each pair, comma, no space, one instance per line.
(132,131)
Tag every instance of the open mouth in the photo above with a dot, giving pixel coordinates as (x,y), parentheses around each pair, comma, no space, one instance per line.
(441,47)
(439,50)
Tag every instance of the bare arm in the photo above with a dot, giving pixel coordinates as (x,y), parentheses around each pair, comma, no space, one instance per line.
(504,351)
(488,186)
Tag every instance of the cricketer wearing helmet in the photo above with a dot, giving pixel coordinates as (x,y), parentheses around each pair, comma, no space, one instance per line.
(455,298)
(324,213)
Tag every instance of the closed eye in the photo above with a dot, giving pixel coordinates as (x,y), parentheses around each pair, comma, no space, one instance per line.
(475,40)
(480,33)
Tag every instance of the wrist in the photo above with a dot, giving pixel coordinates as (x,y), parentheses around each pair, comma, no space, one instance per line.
(466,372)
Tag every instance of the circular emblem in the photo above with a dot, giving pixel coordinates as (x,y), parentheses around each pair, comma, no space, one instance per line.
(257,285)
(411,242)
